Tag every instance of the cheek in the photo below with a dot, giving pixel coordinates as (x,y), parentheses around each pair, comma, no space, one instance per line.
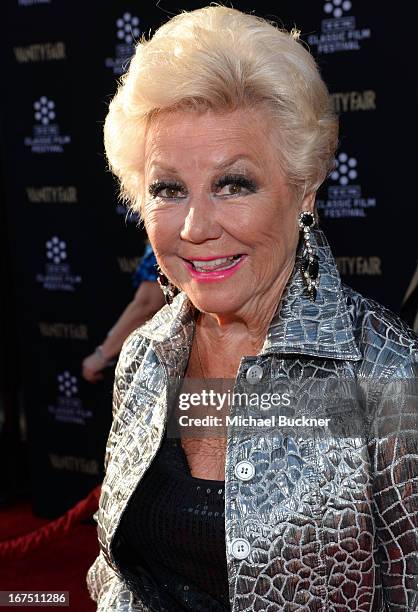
(268,226)
(162,227)
(283,223)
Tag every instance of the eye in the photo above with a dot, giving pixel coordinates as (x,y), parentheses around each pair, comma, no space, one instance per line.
(232,188)
(166,189)
(236,185)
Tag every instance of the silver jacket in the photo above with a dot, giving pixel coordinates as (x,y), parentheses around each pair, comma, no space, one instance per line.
(327,522)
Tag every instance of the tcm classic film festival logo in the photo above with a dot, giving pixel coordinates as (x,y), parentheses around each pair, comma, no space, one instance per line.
(127,33)
(68,407)
(46,134)
(32,2)
(339,31)
(344,192)
(57,275)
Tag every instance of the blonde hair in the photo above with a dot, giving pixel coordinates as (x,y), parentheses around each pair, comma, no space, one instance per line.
(222,59)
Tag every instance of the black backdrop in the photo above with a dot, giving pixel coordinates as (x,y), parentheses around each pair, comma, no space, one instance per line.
(71,245)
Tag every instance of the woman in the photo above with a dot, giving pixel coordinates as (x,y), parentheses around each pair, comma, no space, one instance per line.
(220,134)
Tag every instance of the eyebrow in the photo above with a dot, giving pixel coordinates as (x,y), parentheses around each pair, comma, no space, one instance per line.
(222,165)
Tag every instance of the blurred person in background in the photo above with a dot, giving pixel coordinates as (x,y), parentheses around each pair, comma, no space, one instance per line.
(147,300)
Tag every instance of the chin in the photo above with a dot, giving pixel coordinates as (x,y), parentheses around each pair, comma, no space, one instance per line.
(216,304)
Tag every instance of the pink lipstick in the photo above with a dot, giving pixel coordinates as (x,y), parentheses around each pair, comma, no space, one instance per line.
(214,269)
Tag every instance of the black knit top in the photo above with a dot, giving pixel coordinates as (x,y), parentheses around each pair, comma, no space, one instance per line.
(174,527)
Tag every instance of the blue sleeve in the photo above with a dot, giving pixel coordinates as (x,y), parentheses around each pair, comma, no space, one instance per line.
(146,269)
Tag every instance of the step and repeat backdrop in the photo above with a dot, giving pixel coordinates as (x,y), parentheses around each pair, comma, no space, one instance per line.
(73,246)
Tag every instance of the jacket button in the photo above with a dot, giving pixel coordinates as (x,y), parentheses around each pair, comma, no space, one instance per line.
(240,548)
(244,470)
(254,374)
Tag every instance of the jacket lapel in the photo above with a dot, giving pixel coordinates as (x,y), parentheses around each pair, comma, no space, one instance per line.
(322,328)
(171,332)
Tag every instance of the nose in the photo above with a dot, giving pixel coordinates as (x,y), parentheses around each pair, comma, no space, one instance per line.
(200,223)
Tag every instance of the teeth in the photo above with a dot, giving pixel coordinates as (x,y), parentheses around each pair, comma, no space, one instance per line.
(215,263)
(212,263)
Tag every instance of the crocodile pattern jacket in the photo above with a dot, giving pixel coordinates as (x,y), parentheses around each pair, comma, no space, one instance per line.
(326,522)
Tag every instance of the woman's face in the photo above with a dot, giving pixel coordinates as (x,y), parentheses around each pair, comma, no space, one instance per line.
(219,215)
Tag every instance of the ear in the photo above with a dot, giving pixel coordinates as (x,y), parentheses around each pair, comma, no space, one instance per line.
(308,202)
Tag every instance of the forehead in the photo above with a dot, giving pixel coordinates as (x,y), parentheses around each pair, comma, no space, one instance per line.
(184,137)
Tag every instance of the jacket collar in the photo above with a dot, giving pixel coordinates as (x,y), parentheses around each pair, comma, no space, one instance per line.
(322,328)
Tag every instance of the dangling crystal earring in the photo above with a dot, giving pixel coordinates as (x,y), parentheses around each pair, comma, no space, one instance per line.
(168,289)
(310,262)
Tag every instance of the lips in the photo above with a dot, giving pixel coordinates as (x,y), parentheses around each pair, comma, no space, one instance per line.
(216,264)
(214,269)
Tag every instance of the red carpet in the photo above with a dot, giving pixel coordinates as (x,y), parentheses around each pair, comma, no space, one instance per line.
(59,566)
